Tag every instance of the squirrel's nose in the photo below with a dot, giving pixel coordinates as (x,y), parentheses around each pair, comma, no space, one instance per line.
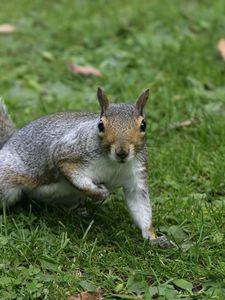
(122,154)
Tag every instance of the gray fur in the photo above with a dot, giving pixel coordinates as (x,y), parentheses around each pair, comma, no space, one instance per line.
(6,125)
(37,141)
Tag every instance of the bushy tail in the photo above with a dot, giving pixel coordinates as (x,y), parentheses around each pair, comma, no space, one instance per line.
(7,127)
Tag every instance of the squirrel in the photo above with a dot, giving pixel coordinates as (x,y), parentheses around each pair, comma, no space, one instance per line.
(74,155)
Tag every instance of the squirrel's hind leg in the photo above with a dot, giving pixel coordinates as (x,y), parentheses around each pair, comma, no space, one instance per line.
(9,195)
(60,193)
(10,179)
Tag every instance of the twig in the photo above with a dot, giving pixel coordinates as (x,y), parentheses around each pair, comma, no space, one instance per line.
(178,125)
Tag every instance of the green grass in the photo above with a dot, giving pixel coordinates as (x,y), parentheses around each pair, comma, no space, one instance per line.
(171,47)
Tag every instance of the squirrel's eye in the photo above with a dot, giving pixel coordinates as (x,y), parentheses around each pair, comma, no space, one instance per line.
(143,125)
(101,126)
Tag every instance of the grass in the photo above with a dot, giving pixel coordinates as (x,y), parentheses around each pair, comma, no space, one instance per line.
(169,46)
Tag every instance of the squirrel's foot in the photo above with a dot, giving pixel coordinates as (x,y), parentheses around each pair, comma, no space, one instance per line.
(82,212)
(162,242)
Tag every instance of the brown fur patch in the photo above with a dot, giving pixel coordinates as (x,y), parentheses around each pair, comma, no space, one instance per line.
(108,135)
(13,178)
(137,137)
(68,170)
(152,233)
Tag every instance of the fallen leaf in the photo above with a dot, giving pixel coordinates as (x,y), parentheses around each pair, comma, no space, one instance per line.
(221,48)
(177,233)
(183,284)
(97,295)
(177,125)
(84,70)
(7,28)
(88,286)
(47,55)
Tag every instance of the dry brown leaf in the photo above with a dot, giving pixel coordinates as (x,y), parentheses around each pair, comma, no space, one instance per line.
(84,70)
(177,125)
(7,28)
(97,295)
(221,48)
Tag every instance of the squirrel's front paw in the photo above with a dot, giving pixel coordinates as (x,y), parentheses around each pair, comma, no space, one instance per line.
(100,192)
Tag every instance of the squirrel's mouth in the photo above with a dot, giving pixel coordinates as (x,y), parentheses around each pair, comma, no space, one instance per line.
(121,155)
(115,158)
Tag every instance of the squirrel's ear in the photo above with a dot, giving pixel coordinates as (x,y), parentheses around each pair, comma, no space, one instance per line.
(141,101)
(103,100)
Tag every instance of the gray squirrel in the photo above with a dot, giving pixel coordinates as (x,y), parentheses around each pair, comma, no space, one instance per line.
(75,155)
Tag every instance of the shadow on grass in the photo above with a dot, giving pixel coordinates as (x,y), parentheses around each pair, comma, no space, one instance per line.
(106,220)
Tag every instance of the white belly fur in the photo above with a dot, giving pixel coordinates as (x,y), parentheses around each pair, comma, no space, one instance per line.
(103,171)
(111,173)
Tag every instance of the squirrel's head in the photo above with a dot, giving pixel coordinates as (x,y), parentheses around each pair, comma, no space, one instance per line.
(121,127)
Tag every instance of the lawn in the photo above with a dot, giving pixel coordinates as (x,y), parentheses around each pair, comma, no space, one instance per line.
(170,47)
